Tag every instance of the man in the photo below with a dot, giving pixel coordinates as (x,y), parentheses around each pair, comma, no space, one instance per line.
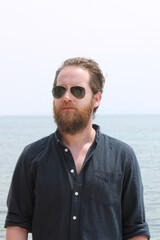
(77,184)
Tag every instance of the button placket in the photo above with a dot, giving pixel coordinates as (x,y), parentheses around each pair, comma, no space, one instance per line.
(72,170)
(75,209)
(66,150)
(75,203)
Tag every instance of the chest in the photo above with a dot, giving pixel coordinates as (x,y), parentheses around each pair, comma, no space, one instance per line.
(79,156)
(59,181)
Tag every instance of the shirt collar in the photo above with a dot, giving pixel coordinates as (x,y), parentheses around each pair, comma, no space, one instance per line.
(96,128)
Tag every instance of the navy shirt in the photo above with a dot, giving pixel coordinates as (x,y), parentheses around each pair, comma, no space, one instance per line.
(103,202)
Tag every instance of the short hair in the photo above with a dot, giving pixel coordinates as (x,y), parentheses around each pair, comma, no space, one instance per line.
(97,79)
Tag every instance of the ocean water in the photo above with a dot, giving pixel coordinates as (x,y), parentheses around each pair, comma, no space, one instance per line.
(141,132)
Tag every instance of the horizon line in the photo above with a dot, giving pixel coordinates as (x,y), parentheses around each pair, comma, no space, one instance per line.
(98,114)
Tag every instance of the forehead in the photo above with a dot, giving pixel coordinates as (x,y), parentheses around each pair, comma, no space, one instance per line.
(73,75)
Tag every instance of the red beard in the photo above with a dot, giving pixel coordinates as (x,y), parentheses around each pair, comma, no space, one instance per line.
(74,120)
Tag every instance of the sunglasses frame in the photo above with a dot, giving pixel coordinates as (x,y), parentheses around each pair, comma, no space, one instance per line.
(71,91)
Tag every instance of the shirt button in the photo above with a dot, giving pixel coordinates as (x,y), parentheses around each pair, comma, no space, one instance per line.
(76,193)
(66,149)
(72,170)
(74,217)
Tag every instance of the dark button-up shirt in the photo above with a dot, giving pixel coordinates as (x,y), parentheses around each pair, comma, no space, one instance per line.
(103,202)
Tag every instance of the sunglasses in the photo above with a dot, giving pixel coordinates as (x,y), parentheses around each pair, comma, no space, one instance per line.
(76,91)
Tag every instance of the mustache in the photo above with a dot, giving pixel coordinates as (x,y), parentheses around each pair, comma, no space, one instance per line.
(67,105)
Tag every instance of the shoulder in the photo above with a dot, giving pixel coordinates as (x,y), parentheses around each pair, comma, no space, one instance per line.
(112,144)
(37,149)
(38,143)
(117,152)
(116,145)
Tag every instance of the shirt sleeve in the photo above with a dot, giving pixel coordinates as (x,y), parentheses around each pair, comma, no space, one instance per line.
(134,222)
(20,197)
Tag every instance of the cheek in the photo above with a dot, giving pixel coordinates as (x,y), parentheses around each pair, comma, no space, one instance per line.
(55,105)
(57,102)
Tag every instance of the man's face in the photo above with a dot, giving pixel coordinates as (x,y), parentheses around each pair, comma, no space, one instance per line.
(72,114)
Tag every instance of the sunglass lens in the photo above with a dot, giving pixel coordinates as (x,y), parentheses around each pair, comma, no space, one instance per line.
(78,92)
(58,91)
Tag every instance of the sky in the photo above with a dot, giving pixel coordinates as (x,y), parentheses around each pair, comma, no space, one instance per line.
(122,36)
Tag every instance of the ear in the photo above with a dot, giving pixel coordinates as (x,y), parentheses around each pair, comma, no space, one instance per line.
(97,99)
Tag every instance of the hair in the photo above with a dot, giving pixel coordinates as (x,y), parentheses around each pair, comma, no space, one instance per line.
(97,79)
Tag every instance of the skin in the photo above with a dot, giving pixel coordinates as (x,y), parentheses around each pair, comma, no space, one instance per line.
(16,233)
(78,143)
(139,238)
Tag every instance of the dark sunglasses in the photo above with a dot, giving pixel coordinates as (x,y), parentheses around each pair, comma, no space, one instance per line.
(77,91)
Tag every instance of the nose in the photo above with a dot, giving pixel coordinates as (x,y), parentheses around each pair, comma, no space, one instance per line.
(67,96)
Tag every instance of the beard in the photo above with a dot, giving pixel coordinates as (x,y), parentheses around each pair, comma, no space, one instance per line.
(72,122)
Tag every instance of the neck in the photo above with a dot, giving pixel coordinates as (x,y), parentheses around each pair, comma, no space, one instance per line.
(86,135)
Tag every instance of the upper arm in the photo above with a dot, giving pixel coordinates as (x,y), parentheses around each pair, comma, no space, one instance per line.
(20,198)
(16,233)
(133,211)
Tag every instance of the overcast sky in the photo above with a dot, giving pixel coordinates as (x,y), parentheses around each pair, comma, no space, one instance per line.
(122,36)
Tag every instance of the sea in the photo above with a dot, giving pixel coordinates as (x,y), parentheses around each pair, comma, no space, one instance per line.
(142,132)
